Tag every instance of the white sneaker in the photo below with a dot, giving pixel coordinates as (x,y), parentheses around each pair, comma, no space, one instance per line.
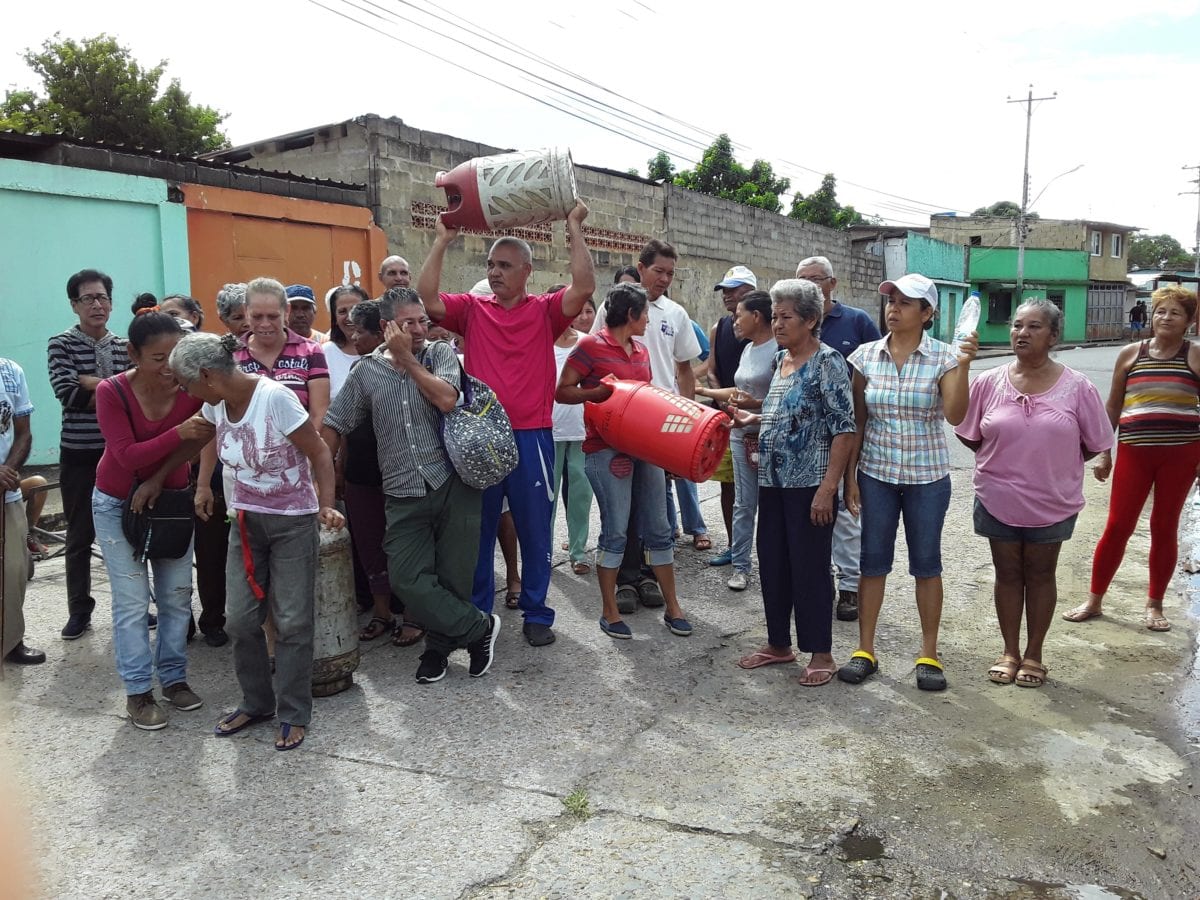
(737,581)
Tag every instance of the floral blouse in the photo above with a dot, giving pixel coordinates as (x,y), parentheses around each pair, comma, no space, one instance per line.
(800,417)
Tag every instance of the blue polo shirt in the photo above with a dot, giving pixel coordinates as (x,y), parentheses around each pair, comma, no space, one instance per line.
(845,327)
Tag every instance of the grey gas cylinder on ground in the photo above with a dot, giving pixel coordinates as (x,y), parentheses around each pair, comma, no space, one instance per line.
(335,615)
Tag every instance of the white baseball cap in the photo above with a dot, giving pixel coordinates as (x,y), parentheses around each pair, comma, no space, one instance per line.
(736,277)
(913,285)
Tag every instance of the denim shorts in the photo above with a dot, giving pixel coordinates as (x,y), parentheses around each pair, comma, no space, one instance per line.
(988,526)
(924,509)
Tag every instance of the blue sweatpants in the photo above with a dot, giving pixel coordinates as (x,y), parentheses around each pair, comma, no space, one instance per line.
(530,492)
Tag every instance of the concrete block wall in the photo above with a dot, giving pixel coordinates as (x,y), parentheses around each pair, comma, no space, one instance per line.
(398,163)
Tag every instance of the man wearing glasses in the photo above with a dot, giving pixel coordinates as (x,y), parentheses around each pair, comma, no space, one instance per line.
(843,328)
(79,359)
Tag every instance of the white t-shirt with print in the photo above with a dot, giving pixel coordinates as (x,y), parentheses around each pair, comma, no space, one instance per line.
(269,473)
(669,338)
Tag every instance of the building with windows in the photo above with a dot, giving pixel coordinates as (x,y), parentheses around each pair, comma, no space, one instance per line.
(1104,245)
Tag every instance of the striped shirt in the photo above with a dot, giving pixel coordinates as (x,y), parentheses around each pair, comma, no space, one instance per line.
(407,425)
(299,362)
(14,404)
(905,438)
(71,354)
(597,355)
(1162,400)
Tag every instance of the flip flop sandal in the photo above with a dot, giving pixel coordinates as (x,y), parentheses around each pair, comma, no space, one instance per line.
(285,731)
(512,600)
(580,568)
(1157,622)
(702,542)
(398,639)
(251,719)
(760,658)
(862,665)
(810,670)
(1032,674)
(376,628)
(1004,670)
(1082,613)
(930,676)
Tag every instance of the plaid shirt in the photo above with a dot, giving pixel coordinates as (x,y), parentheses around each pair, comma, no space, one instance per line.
(905,441)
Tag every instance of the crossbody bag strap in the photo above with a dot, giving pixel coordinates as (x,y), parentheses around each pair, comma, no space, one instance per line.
(464,381)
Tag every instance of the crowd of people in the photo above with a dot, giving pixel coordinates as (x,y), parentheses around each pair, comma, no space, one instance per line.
(837,433)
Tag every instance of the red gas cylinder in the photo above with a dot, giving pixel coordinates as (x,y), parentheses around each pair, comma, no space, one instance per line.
(496,192)
(682,436)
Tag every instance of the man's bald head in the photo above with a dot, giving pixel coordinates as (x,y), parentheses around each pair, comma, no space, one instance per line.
(394,272)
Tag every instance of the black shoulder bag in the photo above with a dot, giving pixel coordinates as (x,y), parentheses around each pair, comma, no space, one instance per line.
(164,532)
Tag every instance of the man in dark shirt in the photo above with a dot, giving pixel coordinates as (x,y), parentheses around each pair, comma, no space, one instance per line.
(843,328)
(79,359)
(723,363)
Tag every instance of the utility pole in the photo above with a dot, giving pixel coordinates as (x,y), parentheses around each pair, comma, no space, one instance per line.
(1022,227)
(1196,249)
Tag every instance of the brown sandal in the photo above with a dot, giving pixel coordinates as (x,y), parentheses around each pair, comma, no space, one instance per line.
(512,600)
(580,568)
(399,640)
(377,628)
(1004,669)
(1032,674)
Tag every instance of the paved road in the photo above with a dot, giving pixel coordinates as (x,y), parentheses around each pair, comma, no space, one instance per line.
(701,780)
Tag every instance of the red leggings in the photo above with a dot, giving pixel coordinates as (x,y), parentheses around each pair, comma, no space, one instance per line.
(1171,472)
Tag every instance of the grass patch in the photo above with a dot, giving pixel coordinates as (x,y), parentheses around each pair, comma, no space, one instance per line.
(577,804)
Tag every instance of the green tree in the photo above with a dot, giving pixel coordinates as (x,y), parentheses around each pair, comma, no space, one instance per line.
(660,168)
(1005,209)
(96,91)
(822,208)
(721,175)
(1151,251)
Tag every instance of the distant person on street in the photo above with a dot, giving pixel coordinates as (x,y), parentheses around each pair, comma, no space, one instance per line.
(1032,425)
(844,328)
(79,359)
(1137,319)
(510,325)
(1154,404)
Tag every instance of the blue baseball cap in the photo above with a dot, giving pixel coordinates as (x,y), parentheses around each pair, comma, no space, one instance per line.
(301,293)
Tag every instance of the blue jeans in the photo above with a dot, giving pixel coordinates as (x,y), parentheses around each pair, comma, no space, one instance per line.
(745,504)
(615,477)
(530,492)
(924,509)
(130,584)
(689,507)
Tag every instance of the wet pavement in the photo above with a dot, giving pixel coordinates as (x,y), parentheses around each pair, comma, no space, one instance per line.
(652,767)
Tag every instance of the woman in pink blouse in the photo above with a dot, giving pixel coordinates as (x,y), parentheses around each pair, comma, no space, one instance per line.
(1033,422)
(149,433)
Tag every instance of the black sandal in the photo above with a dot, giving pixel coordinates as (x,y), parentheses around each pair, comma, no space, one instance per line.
(861,666)
(377,628)
(930,676)
(399,640)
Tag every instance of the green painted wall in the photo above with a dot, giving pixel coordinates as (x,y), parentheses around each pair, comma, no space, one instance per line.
(56,220)
(1061,275)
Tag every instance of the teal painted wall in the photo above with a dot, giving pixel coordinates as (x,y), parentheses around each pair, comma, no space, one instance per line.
(939,261)
(1058,274)
(56,220)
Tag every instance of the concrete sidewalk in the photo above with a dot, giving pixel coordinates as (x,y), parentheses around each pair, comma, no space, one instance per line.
(650,768)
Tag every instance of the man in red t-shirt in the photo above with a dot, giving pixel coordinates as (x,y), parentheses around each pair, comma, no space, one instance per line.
(508,342)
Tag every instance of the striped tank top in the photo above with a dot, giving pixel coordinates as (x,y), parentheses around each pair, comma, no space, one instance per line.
(1162,400)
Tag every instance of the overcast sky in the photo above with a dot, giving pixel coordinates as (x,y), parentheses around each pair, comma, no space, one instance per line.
(899,99)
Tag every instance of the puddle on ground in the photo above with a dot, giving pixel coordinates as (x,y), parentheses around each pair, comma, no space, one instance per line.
(1044,890)
(860,847)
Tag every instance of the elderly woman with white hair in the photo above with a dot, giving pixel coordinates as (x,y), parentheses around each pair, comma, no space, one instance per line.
(231,308)
(271,452)
(804,444)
